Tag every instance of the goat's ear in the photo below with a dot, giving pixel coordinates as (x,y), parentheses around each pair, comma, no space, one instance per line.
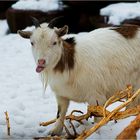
(61,31)
(24,34)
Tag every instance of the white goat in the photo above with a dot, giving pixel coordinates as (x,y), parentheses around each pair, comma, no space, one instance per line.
(85,68)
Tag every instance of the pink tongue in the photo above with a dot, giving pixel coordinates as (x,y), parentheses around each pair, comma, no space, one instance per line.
(39,69)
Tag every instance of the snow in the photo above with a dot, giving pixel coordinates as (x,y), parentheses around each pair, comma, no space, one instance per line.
(21,95)
(3,27)
(41,5)
(119,12)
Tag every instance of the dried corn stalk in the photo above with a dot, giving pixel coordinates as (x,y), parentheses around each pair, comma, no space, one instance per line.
(48,138)
(8,123)
(127,93)
(130,131)
(100,111)
(107,118)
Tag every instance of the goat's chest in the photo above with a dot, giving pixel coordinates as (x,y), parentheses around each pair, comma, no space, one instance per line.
(61,86)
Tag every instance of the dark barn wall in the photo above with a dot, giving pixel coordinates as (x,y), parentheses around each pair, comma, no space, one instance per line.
(78,15)
(4,5)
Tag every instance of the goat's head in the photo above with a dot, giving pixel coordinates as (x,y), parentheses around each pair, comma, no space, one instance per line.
(46,44)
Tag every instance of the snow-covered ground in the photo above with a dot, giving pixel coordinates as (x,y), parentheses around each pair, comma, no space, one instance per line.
(41,5)
(119,12)
(21,95)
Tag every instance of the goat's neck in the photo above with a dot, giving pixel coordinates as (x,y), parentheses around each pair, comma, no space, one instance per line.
(66,61)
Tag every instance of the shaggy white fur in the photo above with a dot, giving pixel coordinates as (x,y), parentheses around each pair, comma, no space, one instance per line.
(105,62)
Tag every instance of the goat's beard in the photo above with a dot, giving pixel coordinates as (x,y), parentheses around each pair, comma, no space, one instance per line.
(44,79)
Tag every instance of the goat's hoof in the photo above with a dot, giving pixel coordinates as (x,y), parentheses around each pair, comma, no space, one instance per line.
(55,132)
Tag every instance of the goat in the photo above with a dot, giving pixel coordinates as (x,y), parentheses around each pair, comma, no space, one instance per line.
(85,68)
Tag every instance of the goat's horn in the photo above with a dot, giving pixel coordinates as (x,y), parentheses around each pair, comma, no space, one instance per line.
(54,22)
(35,22)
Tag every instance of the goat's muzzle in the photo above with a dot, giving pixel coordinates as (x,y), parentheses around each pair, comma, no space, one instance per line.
(40,65)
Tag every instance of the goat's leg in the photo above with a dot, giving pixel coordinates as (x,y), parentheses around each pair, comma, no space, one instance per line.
(63,104)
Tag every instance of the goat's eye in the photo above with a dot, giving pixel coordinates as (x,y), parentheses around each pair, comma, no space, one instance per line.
(54,43)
